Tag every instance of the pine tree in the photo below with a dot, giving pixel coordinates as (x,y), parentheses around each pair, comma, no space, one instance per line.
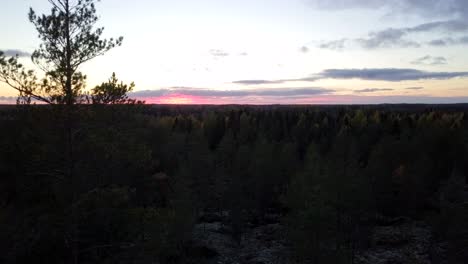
(69,39)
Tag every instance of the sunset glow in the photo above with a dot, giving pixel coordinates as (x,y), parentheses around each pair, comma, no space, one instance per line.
(360,51)
(175,99)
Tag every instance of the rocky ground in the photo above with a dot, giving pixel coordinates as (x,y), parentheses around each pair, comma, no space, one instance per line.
(258,244)
(402,241)
(394,241)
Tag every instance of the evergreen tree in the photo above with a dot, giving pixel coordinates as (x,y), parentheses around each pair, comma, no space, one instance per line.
(69,39)
(113,92)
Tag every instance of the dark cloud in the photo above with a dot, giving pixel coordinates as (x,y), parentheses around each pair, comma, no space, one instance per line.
(218,53)
(373,90)
(389,74)
(14,52)
(202,92)
(414,88)
(430,60)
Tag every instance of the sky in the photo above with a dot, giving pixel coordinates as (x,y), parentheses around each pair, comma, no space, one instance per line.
(271,51)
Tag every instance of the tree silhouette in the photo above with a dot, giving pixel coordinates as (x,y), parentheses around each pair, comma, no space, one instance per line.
(112,92)
(25,82)
(69,39)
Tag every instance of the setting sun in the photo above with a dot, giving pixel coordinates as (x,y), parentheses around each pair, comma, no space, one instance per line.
(175,99)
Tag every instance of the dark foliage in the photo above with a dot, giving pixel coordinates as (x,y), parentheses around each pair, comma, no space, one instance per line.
(142,174)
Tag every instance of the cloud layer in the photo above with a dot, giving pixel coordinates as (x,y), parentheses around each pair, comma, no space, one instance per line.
(451,22)
(8,99)
(256,82)
(372,74)
(202,92)
(14,52)
(456,31)
(430,60)
(424,8)
(414,88)
(389,74)
(373,90)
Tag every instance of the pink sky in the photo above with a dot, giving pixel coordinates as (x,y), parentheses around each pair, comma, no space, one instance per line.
(183,99)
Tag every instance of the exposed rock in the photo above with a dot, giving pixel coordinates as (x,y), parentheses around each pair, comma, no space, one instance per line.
(395,241)
(404,243)
(263,244)
(390,221)
(390,236)
(213,236)
(212,217)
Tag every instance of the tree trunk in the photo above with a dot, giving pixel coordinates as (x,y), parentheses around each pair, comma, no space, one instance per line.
(69,101)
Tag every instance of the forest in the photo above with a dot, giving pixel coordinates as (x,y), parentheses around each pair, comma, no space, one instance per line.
(140,178)
(96,176)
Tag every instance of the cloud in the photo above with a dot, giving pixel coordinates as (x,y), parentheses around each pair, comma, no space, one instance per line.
(422,8)
(203,92)
(8,99)
(243,54)
(401,37)
(449,41)
(14,52)
(304,49)
(373,90)
(370,74)
(430,60)
(451,26)
(257,82)
(218,53)
(396,99)
(451,19)
(438,42)
(334,44)
(387,38)
(347,4)
(389,74)
(305,79)
(414,88)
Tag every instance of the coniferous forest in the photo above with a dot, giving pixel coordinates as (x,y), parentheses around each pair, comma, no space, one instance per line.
(95,176)
(140,180)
